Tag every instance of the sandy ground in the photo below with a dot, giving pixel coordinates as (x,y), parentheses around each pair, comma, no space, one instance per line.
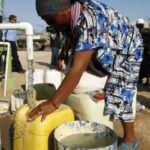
(41,60)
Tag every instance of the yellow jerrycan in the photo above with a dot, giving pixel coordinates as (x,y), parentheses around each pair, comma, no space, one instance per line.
(37,135)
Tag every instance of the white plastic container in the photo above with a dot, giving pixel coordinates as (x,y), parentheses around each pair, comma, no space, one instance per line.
(54,77)
(89,83)
(38,76)
(87,109)
(17,100)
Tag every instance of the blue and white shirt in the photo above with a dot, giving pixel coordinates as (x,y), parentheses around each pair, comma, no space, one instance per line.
(118,47)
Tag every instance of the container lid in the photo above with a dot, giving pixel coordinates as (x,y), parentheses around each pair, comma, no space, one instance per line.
(99,96)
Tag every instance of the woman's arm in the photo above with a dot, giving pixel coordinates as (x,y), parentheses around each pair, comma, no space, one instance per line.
(80,63)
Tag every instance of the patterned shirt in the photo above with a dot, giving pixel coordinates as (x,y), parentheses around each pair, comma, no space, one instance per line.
(118,47)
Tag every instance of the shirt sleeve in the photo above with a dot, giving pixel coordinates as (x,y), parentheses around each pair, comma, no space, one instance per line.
(88,34)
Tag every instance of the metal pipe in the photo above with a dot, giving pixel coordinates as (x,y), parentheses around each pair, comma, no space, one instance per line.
(29,34)
(7,64)
(29,37)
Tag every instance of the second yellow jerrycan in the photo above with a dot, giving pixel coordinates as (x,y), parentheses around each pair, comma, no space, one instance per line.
(37,135)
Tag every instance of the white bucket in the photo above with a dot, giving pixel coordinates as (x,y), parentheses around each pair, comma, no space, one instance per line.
(38,76)
(89,83)
(79,135)
(54,77)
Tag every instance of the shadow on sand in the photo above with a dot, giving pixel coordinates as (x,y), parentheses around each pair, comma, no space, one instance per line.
(43,63)
(144,100)
(142,87)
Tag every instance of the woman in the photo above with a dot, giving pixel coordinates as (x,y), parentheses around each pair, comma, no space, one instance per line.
(102,34)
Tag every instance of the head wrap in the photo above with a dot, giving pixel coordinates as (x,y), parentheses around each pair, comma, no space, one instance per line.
(50,7)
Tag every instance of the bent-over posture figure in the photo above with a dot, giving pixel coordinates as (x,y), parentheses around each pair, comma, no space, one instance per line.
(102,34)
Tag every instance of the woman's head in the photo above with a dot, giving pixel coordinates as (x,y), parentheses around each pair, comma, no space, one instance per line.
(59,19)
(51,7)
(54,12)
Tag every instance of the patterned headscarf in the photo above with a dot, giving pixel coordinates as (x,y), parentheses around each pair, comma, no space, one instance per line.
(49,7)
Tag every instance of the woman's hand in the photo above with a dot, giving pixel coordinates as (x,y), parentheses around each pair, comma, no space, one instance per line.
(42,109)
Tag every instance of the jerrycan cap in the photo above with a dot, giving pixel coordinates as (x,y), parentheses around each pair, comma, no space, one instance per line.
(98,96)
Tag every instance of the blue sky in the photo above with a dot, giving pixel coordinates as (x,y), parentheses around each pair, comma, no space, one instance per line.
(25,10)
